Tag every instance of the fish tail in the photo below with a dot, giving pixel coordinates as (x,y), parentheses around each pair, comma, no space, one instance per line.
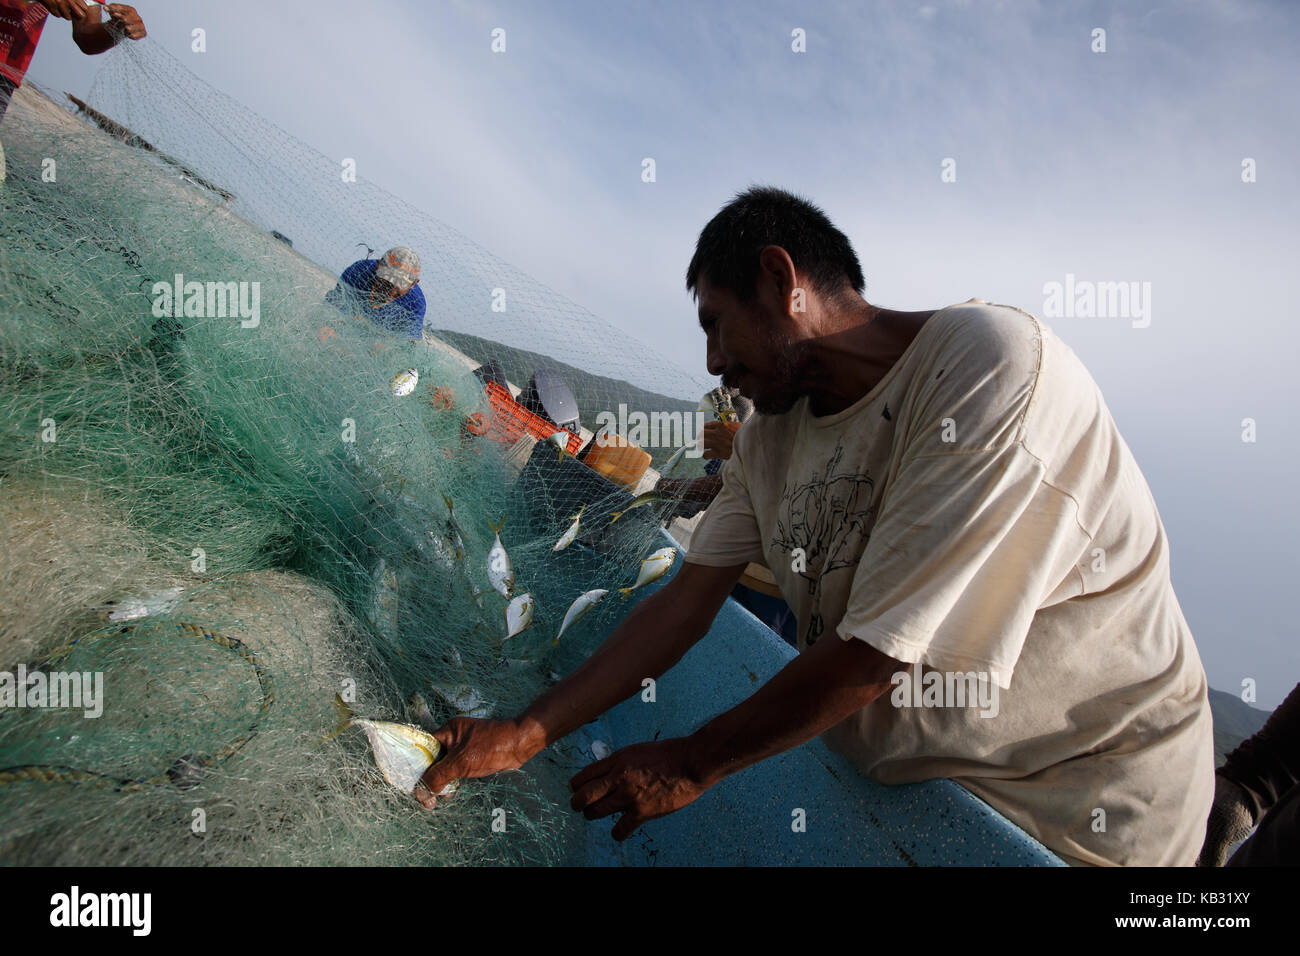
(580,511)
(447,499)
(345,718)
(625,592)
(614,516)
(497,527)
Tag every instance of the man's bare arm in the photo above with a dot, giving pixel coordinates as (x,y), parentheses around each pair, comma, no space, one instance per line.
(810,695)
(89,31)
(649,641)
(831,681)
(696,493)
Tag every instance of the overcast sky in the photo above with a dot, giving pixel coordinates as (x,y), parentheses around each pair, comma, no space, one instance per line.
(1123,165)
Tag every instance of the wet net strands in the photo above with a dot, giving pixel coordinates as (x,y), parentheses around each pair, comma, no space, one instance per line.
(266,477)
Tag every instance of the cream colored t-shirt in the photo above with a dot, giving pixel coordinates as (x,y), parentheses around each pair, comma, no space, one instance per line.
(977,513)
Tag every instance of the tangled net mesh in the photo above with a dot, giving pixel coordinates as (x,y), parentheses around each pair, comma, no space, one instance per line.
(266,498)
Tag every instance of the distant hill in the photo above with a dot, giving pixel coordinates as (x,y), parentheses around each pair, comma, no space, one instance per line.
(594,393)
(1234,721)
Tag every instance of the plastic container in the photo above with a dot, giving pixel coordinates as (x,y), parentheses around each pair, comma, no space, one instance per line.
(507,421)
(617,459)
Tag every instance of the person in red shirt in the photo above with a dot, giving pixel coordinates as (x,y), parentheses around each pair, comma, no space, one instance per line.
(21,22)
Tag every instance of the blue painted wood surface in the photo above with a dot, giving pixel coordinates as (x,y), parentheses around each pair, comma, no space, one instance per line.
(746,820)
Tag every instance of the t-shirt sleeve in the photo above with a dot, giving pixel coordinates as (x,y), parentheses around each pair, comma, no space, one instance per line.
(970,540)
(728,533)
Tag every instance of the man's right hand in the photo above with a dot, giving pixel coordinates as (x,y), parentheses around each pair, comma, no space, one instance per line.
(128,18)
(473,748)
(654,636)
(75,10)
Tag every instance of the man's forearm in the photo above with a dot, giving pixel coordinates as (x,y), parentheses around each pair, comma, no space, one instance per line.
(1267,764)
(93,38)
(811,694)
(703,489)
(654,637)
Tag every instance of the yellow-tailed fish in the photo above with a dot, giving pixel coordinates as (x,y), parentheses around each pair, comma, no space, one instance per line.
(519,615)
(402,752)
(500,571)
(645,498)
(465,700)
(568,537)
(132,608)
(560,440)
(578,608)
(384,599)
(440,549)
(419,709)
(452,534)
(404,382)
(674,461)
(652,569)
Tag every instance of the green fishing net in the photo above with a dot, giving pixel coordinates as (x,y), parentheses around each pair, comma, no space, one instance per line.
(229,519)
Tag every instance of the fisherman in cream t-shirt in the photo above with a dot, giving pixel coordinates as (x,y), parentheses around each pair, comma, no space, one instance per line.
(980,574)
(978,511)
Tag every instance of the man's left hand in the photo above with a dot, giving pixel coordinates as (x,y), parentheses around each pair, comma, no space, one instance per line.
(718,438)
(642,782)
(129,19)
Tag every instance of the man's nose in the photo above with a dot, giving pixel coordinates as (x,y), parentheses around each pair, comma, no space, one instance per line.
(715,361)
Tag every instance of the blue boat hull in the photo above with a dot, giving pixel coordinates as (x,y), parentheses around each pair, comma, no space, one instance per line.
(750,818)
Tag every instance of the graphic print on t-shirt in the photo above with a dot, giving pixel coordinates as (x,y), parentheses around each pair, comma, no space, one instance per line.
(826,516)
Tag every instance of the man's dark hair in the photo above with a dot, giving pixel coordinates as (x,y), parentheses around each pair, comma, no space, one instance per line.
(728,247)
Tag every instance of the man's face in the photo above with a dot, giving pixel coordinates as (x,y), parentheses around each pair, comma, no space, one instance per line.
(385,289)
(749,345)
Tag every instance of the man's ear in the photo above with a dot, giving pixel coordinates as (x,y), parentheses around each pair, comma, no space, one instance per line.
(777,263)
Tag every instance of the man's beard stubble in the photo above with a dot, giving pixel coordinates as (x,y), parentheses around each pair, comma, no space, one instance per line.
(781,389)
